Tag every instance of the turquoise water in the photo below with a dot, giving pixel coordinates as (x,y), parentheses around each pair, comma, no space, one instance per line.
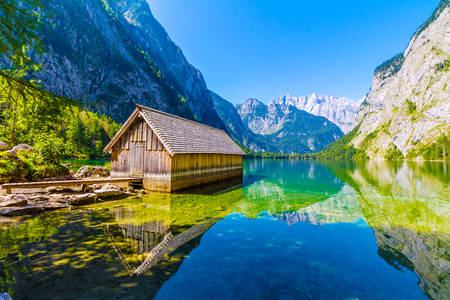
(292,230)
(75,164)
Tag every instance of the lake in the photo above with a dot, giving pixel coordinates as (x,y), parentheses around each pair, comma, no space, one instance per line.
(292,230)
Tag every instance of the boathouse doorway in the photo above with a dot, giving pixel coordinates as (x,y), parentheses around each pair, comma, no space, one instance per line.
(137,155)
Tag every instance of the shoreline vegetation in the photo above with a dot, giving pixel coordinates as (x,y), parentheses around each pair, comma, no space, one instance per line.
(39,128)
(342,149)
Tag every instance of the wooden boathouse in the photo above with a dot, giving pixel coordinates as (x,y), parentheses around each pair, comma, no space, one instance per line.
(171,153)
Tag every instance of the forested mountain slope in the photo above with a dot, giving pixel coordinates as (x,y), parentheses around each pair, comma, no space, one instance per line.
(115,53)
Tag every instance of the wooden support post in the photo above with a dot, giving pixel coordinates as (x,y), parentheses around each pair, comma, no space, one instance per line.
(8,191)
(84,187)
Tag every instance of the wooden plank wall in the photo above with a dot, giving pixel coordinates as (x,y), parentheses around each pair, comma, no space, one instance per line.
(189,170)
(163,172)
(156,159)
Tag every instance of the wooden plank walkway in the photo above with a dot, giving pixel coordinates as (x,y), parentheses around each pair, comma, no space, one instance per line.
(83,182)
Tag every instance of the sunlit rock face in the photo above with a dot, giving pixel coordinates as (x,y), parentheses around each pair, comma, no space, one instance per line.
(339,110)
(410,224)
(290,129)
(408,106)
(116,54)
(236,128)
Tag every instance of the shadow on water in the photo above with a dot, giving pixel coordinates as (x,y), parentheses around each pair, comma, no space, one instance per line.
(218,188)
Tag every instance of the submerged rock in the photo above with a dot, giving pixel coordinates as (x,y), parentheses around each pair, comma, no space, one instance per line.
(20,211)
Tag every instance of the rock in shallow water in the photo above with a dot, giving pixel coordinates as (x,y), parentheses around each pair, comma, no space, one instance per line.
(20,211)
(54,205)
(13,200)
(110,193)
(83,199)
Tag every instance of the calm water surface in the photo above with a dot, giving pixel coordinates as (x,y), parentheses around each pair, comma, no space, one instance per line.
(293,230)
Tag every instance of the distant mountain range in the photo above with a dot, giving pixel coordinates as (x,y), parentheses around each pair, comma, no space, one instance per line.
(274,127)
(339,110)
(293,130)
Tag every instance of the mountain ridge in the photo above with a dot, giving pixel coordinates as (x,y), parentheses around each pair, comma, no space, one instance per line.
(115,54)
(293,130)
(339,110)
(407,111)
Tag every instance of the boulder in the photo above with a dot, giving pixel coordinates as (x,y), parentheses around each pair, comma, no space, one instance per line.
(54,205)
(3,146)
(20,211)
(20,147)
(110,191)
(83,199)
(9,153)
(89,171)
(14,200)
(50,189)
(38,198)
(110,187)
(5,296)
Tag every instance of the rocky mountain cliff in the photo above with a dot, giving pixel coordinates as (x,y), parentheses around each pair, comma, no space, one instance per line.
(116,54)
(291,129)
(236,128)
(339,110)
(407,112)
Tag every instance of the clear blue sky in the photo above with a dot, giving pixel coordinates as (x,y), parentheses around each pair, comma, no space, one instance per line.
(265,49)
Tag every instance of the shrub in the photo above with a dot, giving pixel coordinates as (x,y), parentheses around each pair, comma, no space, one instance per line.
(435,151)
(50,148)
(411,106)
(393,153)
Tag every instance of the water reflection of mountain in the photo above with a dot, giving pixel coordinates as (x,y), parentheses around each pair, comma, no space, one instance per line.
(340,208)
(278,186)
(407,205)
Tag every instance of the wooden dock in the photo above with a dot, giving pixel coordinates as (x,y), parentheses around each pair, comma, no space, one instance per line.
(84,183)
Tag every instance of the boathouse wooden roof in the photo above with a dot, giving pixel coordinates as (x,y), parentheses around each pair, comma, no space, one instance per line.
(180,135)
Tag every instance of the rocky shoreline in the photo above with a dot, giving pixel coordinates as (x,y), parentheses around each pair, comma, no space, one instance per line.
(32,202)
(53,198)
